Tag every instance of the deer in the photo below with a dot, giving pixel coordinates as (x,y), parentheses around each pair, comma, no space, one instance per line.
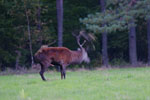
(61,56)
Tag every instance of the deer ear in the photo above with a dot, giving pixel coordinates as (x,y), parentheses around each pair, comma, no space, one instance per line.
(40,51)
(42,48)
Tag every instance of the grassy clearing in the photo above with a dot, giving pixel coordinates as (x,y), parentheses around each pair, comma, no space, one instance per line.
(113,84)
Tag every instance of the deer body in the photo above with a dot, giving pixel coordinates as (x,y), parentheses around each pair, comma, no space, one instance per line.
(62,56)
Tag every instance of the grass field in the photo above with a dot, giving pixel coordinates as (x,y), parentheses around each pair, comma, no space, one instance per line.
(112,84)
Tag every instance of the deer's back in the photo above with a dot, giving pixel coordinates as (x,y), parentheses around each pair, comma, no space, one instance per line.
(59,54)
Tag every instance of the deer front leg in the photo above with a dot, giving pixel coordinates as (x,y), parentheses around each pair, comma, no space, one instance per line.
(64,72)
(42,72)
(61,70)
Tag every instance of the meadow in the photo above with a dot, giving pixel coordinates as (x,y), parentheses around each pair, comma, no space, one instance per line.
(101,84)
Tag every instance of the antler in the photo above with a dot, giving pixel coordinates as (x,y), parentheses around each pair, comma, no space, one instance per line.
(49,44)
(78,38)
(83,42)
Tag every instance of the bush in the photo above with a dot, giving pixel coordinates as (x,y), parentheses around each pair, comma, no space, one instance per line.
(118,62)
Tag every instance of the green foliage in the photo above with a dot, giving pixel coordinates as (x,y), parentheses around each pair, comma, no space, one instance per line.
(118,62)
(14,37)
(117,19)
(117,16)
(96,62)
(8,41)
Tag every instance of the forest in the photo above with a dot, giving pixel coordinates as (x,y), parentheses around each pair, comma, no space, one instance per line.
(119,30)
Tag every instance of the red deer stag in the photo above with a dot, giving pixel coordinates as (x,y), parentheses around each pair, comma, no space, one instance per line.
(62,56)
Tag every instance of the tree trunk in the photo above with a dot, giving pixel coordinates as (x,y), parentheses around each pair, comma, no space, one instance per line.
(104,49)
(59,4)
(18,59)
(39,22)
(2,66)
(29,36)
(132,44)
(104,40)
(148,37)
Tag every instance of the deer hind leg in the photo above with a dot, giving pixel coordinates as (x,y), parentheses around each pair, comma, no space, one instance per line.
(42,72)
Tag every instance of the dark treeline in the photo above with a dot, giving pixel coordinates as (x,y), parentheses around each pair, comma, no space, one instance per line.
(25,25)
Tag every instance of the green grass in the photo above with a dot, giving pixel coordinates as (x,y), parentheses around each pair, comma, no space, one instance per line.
(113,84)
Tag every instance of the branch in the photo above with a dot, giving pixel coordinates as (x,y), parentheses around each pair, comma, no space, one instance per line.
(52,43)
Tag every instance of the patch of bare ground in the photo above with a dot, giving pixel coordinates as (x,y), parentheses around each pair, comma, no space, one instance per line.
(18,72)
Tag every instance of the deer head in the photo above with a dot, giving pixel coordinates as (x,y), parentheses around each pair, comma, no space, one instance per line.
(85,57)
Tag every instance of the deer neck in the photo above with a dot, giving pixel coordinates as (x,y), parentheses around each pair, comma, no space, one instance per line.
(77,57)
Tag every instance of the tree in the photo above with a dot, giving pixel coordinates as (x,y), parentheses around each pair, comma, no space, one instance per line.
(39,21)
(132,44)
(148,38)
(132,39)
(8,41)
(29,31)
(147,17)
(141,9)
(104,39)
(59,5)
